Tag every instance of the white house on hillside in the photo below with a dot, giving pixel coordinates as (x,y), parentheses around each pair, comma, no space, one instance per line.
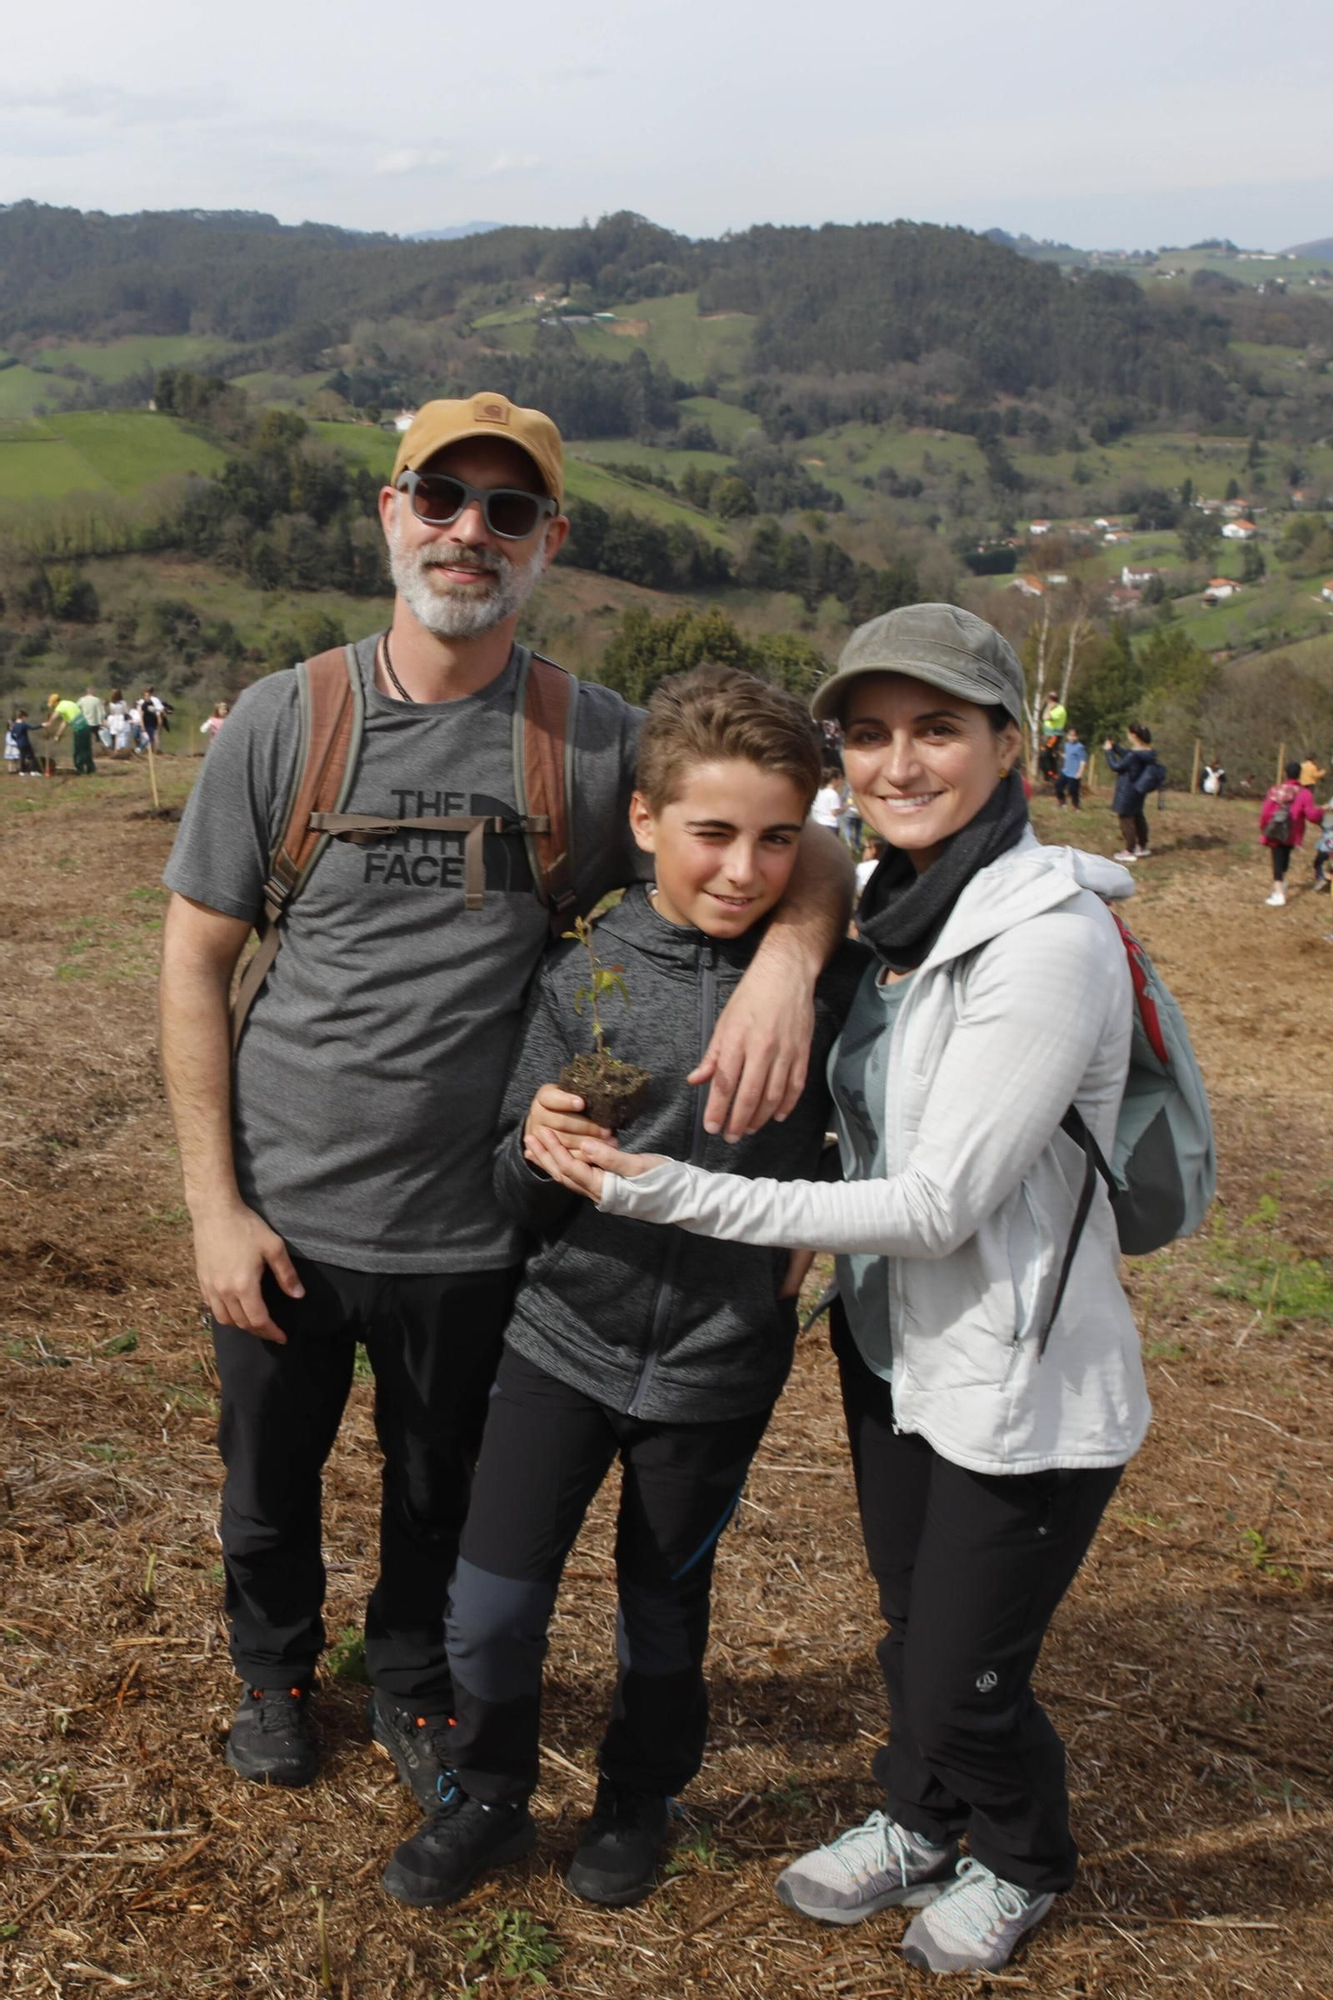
(1220,589)
(1240,531)
(1134,575)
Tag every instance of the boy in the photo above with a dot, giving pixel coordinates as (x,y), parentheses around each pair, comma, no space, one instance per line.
(662,1349)
(21,731)
(1074,764)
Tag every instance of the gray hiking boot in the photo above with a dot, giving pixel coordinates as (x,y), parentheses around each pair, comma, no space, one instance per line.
(974,1925)
(871,1867)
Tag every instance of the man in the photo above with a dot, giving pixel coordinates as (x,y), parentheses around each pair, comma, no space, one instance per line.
(63,714)
(94,712)
(339,1178)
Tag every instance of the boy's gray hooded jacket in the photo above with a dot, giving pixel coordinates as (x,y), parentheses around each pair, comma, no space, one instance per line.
(654,1322)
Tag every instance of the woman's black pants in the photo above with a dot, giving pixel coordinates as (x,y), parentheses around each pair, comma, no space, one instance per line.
(1134,829)
(970,1568)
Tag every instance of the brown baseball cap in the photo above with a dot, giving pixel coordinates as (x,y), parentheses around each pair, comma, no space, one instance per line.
(449,420)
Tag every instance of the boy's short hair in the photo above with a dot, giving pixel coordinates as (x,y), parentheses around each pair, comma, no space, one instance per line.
(714,714)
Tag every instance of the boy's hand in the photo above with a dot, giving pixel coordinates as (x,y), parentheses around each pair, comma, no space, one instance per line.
(583,1175)
(556,1110)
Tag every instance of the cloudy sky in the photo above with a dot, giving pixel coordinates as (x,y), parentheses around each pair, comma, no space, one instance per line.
(1144,123)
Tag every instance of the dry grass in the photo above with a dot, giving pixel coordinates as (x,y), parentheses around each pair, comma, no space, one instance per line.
(1189,1670)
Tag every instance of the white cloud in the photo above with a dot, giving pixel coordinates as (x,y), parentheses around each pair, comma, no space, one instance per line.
(412,160)
(505,164)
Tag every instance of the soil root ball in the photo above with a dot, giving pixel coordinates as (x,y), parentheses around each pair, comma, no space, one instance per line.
(613,1092)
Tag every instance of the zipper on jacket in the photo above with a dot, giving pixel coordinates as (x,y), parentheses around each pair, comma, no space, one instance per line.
(662,1296)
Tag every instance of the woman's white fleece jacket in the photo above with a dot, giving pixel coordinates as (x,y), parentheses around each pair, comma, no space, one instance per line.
(1022,1008)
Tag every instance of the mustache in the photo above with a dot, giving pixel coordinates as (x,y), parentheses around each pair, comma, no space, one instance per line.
(453,555)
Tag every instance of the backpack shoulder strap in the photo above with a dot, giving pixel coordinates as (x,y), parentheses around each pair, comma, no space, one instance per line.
(545,705)
(332,710)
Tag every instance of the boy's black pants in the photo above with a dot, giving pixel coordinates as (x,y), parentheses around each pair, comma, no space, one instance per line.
(970,1568)
(433,1343)
(1074,787)
(547,1449)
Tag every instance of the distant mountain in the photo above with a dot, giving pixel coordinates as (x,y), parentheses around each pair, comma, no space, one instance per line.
(1323,248)
(450,235)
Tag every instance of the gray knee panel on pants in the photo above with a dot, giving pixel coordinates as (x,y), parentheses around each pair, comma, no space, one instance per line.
(496,1630)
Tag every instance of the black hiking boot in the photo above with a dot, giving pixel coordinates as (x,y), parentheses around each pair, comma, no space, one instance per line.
(270,1740)
(458,1838)
(418,1744)
(617,1856)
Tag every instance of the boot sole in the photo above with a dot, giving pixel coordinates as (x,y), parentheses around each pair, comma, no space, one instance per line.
(406,1889)
(915,1898)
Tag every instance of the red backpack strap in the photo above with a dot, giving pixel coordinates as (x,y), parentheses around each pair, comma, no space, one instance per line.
(332,708)
(545,702)
(1143,998)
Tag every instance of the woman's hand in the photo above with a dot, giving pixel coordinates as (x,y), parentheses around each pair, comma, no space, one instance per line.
(556,1110)
(544,1148)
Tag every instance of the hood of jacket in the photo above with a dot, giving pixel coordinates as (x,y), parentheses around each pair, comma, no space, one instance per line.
(1022,883)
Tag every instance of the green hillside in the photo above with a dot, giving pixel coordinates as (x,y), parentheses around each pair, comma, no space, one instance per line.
(117,451)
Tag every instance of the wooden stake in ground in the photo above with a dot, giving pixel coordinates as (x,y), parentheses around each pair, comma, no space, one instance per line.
(152,777)
(1281,760)
(1194,774)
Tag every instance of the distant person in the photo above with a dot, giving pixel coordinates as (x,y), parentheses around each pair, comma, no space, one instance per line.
(163,710)
(1214,780)
(211,724)
(1054,721)
(1136,775)
(21,731)
(119,726)
(65,714)
(150,717)
(1073,763)
(1247,788)
(1311,772)
(1286,812)
(94,708)
(827,808)
(11,751)
(1323,854)
(869,862)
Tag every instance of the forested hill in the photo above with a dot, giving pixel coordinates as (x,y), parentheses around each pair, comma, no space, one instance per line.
(867,299)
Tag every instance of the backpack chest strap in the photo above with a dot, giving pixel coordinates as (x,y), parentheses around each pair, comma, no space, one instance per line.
(364,829)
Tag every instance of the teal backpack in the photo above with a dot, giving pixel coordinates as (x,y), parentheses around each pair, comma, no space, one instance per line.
(1162,1173)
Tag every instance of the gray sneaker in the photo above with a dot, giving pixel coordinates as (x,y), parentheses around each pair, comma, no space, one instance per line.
(869,1868)
(975,1925)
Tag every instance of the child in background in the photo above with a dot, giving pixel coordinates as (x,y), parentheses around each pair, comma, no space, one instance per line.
(211,724)
(656,1348)
(1286,812)
(11,751)
(869,862)
(1074,762)
(21,731)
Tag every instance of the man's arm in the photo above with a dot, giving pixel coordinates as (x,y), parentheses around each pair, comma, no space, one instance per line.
(232,1245)
(757,1059)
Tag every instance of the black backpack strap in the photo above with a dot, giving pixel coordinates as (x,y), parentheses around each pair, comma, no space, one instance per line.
(1094,1163)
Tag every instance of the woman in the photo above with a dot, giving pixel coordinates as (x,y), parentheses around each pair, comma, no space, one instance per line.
(988,1429)
(1286,812)
(1130,767)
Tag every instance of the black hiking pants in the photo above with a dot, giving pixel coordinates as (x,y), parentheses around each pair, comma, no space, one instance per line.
(971,1568)
(433,1343)
(1134,829)
(548,1447)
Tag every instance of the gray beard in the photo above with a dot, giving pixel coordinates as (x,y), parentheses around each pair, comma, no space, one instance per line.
(462,615)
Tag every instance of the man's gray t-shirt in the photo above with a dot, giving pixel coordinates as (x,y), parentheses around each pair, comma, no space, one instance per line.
(368,1081)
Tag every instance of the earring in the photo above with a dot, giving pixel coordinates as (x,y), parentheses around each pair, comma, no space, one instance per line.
(1004,772)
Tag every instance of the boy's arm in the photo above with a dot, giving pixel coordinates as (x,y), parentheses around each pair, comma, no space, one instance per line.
(541,1051)
(757,1059)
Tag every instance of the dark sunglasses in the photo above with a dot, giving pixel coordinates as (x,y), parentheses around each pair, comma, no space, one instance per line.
(438,498)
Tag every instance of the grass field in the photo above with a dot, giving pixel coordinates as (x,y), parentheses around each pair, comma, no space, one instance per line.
(113,360)
(116,451)
(668,329)
(23,390)
(585,481)
(361,444)
(1186,1672)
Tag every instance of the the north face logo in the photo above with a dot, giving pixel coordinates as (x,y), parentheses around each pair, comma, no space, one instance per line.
(988,1681)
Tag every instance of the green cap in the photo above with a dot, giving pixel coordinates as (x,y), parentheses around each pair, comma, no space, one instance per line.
(940,644)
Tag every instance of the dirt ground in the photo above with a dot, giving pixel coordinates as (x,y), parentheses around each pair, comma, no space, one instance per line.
(1188,1672)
